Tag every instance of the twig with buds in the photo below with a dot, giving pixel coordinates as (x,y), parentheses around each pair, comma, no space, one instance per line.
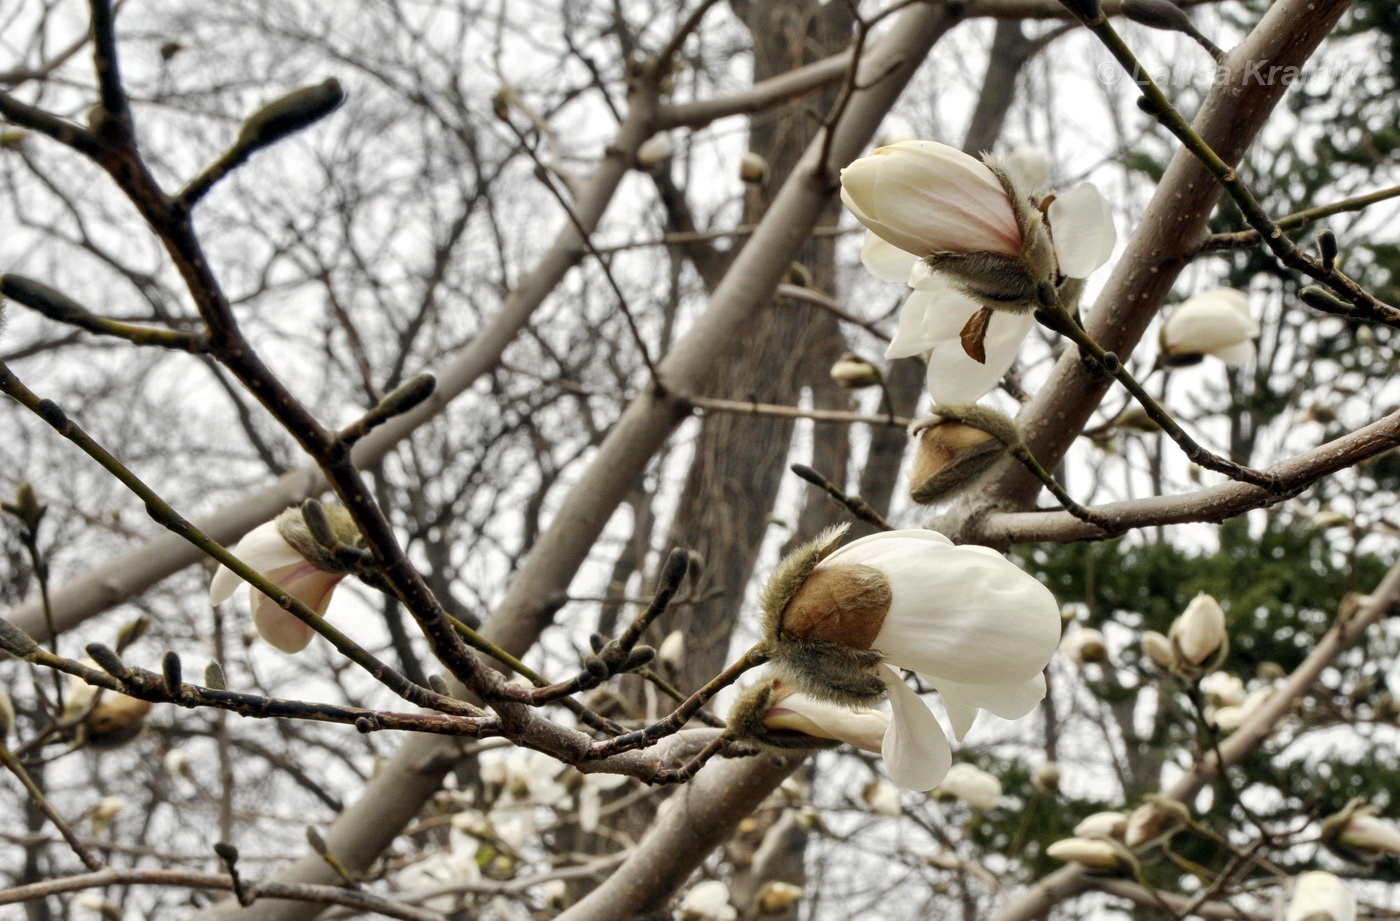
(853,504)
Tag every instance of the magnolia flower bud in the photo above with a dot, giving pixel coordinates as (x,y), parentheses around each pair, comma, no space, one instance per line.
(958,444)
(708,901)
(1198,637)
(882,798)
(753,168)
(116,720)
(775,715)
(853,372)
(1084,647)
(1100,854)
(1215,323)
(1154,821)
(1047,777)
(972,785)
(1319,896)
(1158,650)
(655,150)
(1223,689)
(776,896)
(1102,825)
(1358,834)
(671,652)
(106,810)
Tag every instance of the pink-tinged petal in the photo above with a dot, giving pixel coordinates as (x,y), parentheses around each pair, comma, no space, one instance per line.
(916,751)
(1008,701)
(885,260)
(262,548)
(1081,224)
(954,377)
(966,616)
(931,316)
(863,185)
(309,585)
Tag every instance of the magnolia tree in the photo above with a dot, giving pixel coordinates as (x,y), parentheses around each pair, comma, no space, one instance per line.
(767,459)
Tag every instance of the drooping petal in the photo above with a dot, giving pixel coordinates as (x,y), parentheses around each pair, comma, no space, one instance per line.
(1081,223)
(916,752)
(262,548)
(931,316)
(1008,701)
(954,377)
(885,260)
(862,728)
(966,616)
(311,586)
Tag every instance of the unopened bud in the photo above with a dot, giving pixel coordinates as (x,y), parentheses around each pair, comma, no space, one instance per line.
(753,168)
(853,372)
(1155,820)
(1157,14)
(26,507)
(132,631)
(214,676)
(15,641)
(107,660)
(799,275)
(655,150)
(1199,638)
(106,810)
(116,720)
(776,897)
(882,797)
(1102,825)
(289,114)
(1047,778)
(672,651)
(1102,855)
(1158,650)
(168,49)
(1085,647)
(963,442)
(1358,834)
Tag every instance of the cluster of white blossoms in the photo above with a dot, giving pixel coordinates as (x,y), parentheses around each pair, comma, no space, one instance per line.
(841,620)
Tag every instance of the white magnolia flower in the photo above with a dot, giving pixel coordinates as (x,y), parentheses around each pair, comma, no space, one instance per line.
(708,901)
(974,625)
(1369,834)
(1198,636)
(919,199)
(973,786)
(1319,896)
(1158,650)
(883,798)
(1216,322)
(266,549)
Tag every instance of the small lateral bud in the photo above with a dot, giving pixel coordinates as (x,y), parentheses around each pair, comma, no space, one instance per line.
(319,524)
(438,685)
(214,677)
(1158,650)
(15,641)
(1047,777)
(776,897)
(107,660)
(364,725)
(1157,14)
(170,48)
(226,852)
(289,114)
(1324,300)
(26,507)
(317,843)
(597,642)
(799,275)
(596,667)
(852,372)
(753,168)
(405,396)
(171,672)
(42,299)
(638,657)
(1327,248)
(7,716)
(132,631)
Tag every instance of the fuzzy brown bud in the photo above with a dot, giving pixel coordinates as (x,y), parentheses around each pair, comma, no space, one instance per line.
(853,372)
(962,442)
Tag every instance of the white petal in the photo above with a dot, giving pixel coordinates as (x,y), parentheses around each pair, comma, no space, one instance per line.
(933,315)
(1081,224)
(873,546)
(966,616)
(954,377)
(1008,701)
(278,627)
(1241,353)
(862,728)
(916,751)
(309,585)
(885,260)
(262,548)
